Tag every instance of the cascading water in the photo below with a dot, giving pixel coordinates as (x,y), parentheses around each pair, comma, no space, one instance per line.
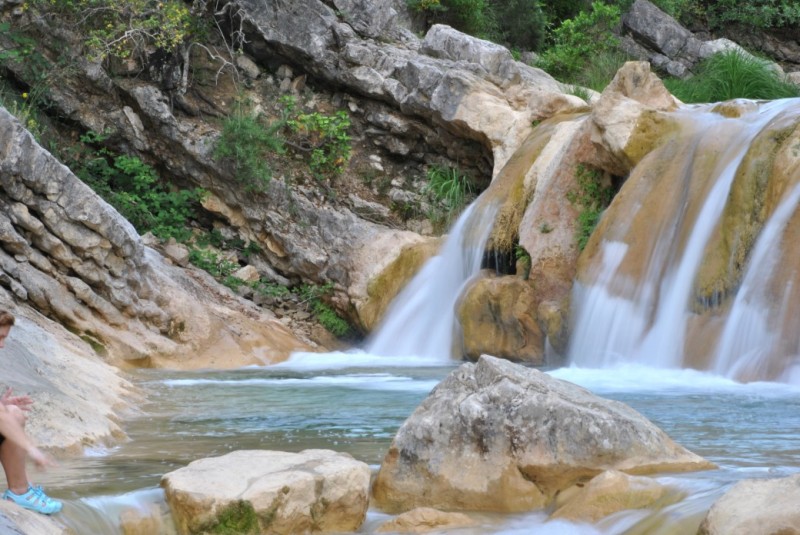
(421,320)
(635,304)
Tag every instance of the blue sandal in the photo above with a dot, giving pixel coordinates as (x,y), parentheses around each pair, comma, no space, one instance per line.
(34,499)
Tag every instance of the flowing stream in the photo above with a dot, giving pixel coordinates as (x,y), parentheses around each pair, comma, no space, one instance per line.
(749,430)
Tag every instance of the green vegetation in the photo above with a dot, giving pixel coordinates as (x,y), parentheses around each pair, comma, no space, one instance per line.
(591,197)
(588,35)
(323,137)
(730,75)
(135,190)
(761,14)
(449,188)
(238,518)
(245,143)
(523,259)
(124,28)
(327,317)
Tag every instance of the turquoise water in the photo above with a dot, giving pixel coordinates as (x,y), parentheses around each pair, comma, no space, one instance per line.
(318,402)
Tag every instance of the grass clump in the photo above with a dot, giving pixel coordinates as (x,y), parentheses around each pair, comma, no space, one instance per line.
(729,75)
(449,189)
(591,197)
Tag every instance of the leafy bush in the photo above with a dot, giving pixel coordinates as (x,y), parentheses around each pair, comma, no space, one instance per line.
(124,28)
(730,75)
(448,188)
(577,40)
(592,197)
(324,136)
(245,143)
(134,189)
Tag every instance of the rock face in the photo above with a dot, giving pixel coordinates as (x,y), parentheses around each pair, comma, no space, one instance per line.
(652,35)
(72,257)
(756,506)
(269,492)
(471,87)
(78,400)
(495,436)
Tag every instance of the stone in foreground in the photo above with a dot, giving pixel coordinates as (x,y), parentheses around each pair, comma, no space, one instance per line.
(259,491)
(496,436)
(756,507)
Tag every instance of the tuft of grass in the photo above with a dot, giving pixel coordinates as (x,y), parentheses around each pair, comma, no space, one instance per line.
(448,188)
(732,74)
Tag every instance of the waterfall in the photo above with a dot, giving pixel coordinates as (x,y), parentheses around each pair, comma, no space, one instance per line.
(750,333)
(635,304)
(421,320)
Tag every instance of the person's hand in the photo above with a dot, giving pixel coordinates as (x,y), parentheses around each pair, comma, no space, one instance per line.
(41,459)
(23,402)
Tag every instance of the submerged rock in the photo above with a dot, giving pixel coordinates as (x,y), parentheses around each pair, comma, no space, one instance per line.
(611,492)
(275,492)
(756,507)
(496,436)
(425,519)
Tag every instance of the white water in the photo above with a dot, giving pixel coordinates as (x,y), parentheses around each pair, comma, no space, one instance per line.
(421,320)
(646,322)
(749,335)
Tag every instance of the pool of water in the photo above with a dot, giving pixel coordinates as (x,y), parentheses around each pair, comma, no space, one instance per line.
(355,403)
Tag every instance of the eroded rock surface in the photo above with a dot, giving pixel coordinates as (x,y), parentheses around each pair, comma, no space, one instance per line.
(270,492)
(496,436)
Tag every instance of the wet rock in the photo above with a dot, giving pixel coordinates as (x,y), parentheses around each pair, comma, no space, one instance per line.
(142,521)
(270,492)
(756,506)
(497,314)
(609,493)
(524,436)
(14,520)
(425,519)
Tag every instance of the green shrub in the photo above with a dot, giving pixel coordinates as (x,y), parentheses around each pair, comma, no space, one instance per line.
(134,189)
(448,188)
(245,143)
(578,40)
(324,136)
(591,197)
(730,75)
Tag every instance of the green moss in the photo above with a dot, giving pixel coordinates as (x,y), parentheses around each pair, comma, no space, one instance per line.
(238,518)
(97,346)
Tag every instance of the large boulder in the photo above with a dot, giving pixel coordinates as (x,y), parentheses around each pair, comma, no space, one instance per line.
(274,492)
(498,314)
(756,507)
(496,436)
